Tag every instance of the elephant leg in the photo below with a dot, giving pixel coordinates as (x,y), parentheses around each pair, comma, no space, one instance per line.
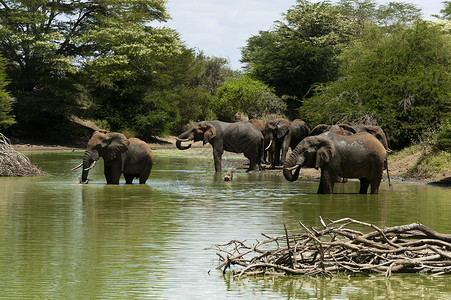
(327,182)
(375,186)
(107,173)
(129,178)
(364,184)
(217,156)
(144,175)
(253,161)
(276,157)
(116,170)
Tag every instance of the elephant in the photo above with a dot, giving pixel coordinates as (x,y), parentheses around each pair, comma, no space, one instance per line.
(132,157)
(267,153)
(345,129)
(359,155)
(284,135)
(239,137)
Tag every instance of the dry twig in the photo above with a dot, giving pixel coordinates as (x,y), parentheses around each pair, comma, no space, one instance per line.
(338,248)
(13,163)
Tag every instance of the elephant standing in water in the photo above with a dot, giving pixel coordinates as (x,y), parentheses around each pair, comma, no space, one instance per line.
(359,155)
(284,135)
(239,137)
(132,157)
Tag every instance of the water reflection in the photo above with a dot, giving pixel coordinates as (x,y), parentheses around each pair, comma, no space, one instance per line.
(60,239)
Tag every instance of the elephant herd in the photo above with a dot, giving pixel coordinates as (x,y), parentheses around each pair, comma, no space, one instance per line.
(338,150)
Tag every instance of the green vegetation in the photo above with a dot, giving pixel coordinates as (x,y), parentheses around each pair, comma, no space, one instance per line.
(106,62)
(242,94)
(6,119)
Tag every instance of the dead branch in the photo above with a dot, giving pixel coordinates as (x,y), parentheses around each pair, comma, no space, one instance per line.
(339,248)
(13,163)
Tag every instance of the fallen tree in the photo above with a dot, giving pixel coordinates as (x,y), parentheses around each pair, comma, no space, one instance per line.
(339,247)
(14,163)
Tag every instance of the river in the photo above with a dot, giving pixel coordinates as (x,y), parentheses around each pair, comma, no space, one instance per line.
(63,240)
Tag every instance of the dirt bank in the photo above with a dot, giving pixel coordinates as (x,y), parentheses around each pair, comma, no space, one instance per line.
(397,167)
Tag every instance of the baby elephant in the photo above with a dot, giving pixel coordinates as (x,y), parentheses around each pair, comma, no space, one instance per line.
(132,157)
(360,155)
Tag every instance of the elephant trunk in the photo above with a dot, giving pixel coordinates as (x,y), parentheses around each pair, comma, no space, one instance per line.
(184,137)
(89,159)
(290,165)
(290,175)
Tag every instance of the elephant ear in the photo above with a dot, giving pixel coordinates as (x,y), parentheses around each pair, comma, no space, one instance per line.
(282,130)
(347,128)
(117,144)
(210,133)
(318,129)
(326,150)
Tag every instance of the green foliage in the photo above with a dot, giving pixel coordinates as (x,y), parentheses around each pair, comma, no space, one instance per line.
(45,43)
(299,51)
(303,49)
(6,119)
(242,94)
(400,80)
(444,138)
(445,12)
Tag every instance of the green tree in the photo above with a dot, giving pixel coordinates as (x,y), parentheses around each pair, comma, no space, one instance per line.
(6,119)
(446,11)
(45,43)
(242,94)
(303,48)
(299,51)
(400,80)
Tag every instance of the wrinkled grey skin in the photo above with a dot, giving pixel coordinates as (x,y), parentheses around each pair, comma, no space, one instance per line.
(359,155)
(239,137)
(345,129)
(132,157)
(269,153)
(284,135)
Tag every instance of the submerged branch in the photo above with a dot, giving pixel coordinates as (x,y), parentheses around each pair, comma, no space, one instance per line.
(337,248)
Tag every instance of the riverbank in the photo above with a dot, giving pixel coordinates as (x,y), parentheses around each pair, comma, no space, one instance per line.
(400,165)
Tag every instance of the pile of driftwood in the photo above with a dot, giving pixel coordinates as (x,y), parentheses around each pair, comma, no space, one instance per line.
(13,163)
(340,247)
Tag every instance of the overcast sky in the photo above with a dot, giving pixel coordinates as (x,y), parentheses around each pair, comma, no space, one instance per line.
(221,27)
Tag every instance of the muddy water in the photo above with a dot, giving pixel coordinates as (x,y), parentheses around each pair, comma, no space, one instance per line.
(62,240)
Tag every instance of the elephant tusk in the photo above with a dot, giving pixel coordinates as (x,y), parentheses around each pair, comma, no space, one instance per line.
(270,143)
(182,140)
(75,168)
(292,168)
(91,166)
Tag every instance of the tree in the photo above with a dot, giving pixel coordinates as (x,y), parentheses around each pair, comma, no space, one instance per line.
(45,43)
(6,119)
(242,94)
(399,79)
(299,51)
(445,12)
(303,48)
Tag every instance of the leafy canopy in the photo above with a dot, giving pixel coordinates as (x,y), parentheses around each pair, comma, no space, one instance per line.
(6,119)
(242,94)
(47,45)
(400,80)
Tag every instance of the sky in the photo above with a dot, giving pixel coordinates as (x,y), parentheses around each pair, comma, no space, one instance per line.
(221,28)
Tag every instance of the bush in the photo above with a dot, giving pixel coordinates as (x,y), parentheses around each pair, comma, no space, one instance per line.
(242,94)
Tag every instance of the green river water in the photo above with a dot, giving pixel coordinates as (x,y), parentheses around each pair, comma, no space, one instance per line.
(63,240)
